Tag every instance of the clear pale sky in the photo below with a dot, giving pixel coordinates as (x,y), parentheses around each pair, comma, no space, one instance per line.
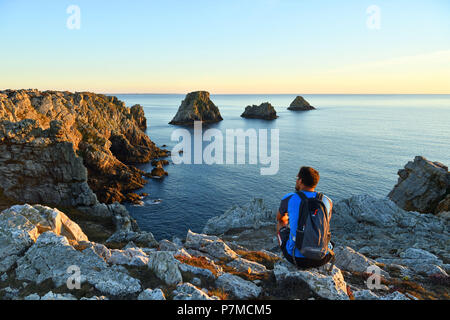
(226,46)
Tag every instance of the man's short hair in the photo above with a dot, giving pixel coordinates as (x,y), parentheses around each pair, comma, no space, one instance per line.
(310,176)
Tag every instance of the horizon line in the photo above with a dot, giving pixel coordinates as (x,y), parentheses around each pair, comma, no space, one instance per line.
(184,93)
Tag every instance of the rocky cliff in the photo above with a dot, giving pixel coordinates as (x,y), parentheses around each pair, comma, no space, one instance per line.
(264,111)
(100,130)
(197,106)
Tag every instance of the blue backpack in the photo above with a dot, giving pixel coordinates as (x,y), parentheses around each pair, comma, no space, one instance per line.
(313,229)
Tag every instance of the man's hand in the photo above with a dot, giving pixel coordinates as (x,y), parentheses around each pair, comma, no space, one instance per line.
(282,220)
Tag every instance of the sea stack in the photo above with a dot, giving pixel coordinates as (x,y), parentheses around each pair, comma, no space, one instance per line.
(264,111)
(300,104)
(197,106)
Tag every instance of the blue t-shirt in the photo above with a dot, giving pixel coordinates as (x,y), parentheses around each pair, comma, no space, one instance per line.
(290,204)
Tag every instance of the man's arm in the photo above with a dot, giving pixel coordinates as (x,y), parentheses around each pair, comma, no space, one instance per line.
(282,214)
(282,220)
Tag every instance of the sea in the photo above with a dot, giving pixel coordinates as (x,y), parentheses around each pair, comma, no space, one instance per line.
(357,143)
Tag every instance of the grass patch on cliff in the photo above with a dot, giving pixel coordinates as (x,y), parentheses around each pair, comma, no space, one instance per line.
(259,257)
(423,290)
(200,262)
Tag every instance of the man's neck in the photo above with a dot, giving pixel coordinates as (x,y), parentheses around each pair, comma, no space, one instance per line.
(308,189)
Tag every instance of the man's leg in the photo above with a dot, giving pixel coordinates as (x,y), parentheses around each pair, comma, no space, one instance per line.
(305,263)
(283,236)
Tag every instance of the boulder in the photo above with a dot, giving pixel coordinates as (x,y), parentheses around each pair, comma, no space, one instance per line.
(419,261)
(197,106)
(247,266)
(158,172)
(253,215)
(21,225)
(187,291)
(17,234)
(52,255)
(422,186)
(264,111)
(211,245)
(165,266)
(141,238)
(150,294)
(56,296)
(350,260)
(238,287)
(328,285)
(130,256)
(300,104)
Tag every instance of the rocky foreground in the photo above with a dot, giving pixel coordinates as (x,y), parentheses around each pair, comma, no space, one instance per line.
(236,257)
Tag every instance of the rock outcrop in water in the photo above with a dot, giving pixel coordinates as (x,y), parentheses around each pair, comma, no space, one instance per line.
(423,186)
(264,111)
(100,130)
(300,104)
(197,106)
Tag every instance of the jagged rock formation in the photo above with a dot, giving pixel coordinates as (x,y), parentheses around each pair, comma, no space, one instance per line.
(300,104)
(264,111)
(197,106)
(254,215)
(102,131)
(381,230)
(40,166)
(423,186)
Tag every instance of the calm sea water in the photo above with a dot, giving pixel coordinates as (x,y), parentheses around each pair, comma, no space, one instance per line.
(357,142)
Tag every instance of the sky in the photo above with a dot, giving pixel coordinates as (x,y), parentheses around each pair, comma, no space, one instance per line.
(227,46)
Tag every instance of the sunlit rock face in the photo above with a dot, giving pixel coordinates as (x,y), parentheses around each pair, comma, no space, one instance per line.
(101,131)
(423,186)
(197,106)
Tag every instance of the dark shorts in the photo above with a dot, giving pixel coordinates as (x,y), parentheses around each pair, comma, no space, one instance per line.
(302,263)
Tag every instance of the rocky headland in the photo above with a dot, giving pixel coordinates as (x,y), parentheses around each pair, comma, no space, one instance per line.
(58,141)
(197,106)
(235,257)
(300,104)
(264,111)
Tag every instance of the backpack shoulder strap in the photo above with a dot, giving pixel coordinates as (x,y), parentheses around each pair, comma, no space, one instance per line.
(303,210)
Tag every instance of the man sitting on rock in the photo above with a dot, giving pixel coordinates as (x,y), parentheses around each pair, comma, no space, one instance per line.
(308,239)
